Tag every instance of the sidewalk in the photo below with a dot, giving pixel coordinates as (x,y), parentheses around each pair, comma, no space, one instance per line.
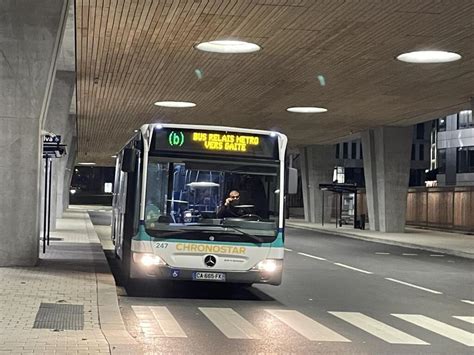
(436,241)
(74,271)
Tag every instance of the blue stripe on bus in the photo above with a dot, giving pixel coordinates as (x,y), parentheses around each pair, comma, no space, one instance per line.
(144,236)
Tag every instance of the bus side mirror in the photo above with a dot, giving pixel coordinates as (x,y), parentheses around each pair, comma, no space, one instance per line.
(292,181)
(129,160)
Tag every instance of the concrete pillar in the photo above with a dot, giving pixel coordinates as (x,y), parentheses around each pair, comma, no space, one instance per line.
(59,122)
(71,163)
(66,63)
(65,174)
(387,172)
(61,174)
(317,167)
(30,33)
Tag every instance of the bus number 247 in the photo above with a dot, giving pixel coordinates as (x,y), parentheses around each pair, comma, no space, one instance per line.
(161,245)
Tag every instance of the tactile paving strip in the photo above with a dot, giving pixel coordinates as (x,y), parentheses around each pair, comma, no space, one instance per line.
(60,316)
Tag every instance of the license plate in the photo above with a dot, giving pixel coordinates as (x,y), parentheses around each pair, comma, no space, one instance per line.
(210,276)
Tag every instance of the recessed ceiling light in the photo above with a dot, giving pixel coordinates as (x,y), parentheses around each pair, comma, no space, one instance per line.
(179,104)
(86,163)
(113,156)
(428,57)
(203,184)
(228,46)
(307,109)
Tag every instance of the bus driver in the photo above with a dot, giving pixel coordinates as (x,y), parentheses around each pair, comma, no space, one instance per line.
(228,209)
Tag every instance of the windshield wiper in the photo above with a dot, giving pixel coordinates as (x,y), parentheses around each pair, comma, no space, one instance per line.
(250,236)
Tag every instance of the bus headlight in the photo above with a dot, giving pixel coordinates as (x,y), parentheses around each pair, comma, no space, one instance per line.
(267,265)
(146,259)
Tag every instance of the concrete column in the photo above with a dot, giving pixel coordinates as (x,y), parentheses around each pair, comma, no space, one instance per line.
(66,191)
(66,67)
(370,176)
(317,167)
(30,33)
(58,121)
(387,171)
(61,174)
(65,172)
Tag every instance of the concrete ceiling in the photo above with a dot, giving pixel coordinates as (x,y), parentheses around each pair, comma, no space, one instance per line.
(131,53)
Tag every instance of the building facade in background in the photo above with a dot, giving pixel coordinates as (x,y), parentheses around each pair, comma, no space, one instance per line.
(442,154)
(350,164)
(453,137)
(441,175)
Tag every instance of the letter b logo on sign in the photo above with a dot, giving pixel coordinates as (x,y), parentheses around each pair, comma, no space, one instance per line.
(176,139)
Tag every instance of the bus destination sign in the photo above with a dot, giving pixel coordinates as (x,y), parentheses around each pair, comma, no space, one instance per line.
(216,142)
(226,142)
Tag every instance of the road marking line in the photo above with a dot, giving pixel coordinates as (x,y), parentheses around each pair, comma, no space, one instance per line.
(147,322)
(443,329)
(157,321)
(466,319)
(437,255)
(167,322)
(467,301)
(380,253)
(409,254)
(353,268)
(376,328)
(230,323)
(288,249)
(312,256)
(306,326)
(415,286)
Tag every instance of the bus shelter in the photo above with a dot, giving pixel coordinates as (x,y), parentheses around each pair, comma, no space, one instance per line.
(344,211)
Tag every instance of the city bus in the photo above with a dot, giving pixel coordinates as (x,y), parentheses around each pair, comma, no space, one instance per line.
(171,180)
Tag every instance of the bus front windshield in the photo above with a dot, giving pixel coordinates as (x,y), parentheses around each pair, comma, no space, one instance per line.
(187,200)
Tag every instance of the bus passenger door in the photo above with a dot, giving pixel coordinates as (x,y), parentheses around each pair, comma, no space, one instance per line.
(119,211)
(115,197)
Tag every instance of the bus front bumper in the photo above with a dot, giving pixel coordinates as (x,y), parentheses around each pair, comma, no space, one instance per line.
(165,272)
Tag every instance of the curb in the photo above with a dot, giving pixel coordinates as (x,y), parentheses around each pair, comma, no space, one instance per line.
(388,242)
(110,318)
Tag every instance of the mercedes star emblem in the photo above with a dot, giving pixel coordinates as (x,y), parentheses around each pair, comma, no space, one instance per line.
(210,260)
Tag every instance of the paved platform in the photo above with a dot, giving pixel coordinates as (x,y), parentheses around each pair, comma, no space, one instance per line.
(457,244)
(73,271)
